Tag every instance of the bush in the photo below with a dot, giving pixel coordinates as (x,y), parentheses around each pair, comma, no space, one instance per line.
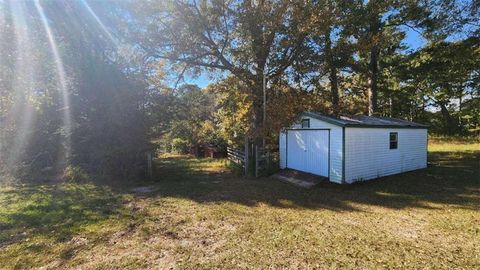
(235,168)
(179,146)
(75,174)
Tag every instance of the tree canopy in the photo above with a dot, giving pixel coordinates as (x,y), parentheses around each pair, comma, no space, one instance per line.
(354,55)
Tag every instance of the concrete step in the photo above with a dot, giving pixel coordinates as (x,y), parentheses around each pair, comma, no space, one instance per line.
(301,179)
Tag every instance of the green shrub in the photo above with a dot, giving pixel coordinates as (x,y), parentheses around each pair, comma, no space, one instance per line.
(75,174)
(180,146)
(235,168)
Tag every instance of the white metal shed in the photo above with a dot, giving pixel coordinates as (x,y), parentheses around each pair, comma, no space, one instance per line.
(350,149)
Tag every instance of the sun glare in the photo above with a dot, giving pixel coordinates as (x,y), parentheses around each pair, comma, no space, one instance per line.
(62,81)
(21,114)
(23,83)
(100,23)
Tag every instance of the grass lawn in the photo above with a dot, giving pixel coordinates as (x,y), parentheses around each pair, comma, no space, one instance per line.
(199,216)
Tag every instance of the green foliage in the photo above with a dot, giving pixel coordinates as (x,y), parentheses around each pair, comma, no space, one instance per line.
(179,146)
(186,114)
(234,114)
(235,168)
(76,174)
(447,75)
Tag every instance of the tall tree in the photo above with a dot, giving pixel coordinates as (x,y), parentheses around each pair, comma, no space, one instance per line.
(249,39)
(377,20)
(330,51)
(374,24)
(448,74)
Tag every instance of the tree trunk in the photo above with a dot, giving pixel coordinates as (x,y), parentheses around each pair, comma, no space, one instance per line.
(373,65)
(460,111)
(258,128)
(447,119)
(332,72)
(390,101)
(372,82)
(334,89)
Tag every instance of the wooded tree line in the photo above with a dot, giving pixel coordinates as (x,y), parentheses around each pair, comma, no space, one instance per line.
(127,64)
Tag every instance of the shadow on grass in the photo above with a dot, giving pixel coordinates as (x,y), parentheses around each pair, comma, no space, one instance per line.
(451,178)
(60,211)
(53,211)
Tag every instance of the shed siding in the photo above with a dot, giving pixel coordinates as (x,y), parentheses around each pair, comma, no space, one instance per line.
(336,145)
(368,154)
(282,145)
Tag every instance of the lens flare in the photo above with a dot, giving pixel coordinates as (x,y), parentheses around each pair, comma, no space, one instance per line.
(100,23)
(62,80)
(22,111)
(3,23)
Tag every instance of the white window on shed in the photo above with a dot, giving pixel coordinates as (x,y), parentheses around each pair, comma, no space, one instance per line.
(305,123)
(393,140)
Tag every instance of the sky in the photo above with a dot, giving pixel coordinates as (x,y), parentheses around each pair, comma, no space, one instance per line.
(202,81)
(413,40)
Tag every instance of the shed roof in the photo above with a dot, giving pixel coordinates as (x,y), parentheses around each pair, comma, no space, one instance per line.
(365,121)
